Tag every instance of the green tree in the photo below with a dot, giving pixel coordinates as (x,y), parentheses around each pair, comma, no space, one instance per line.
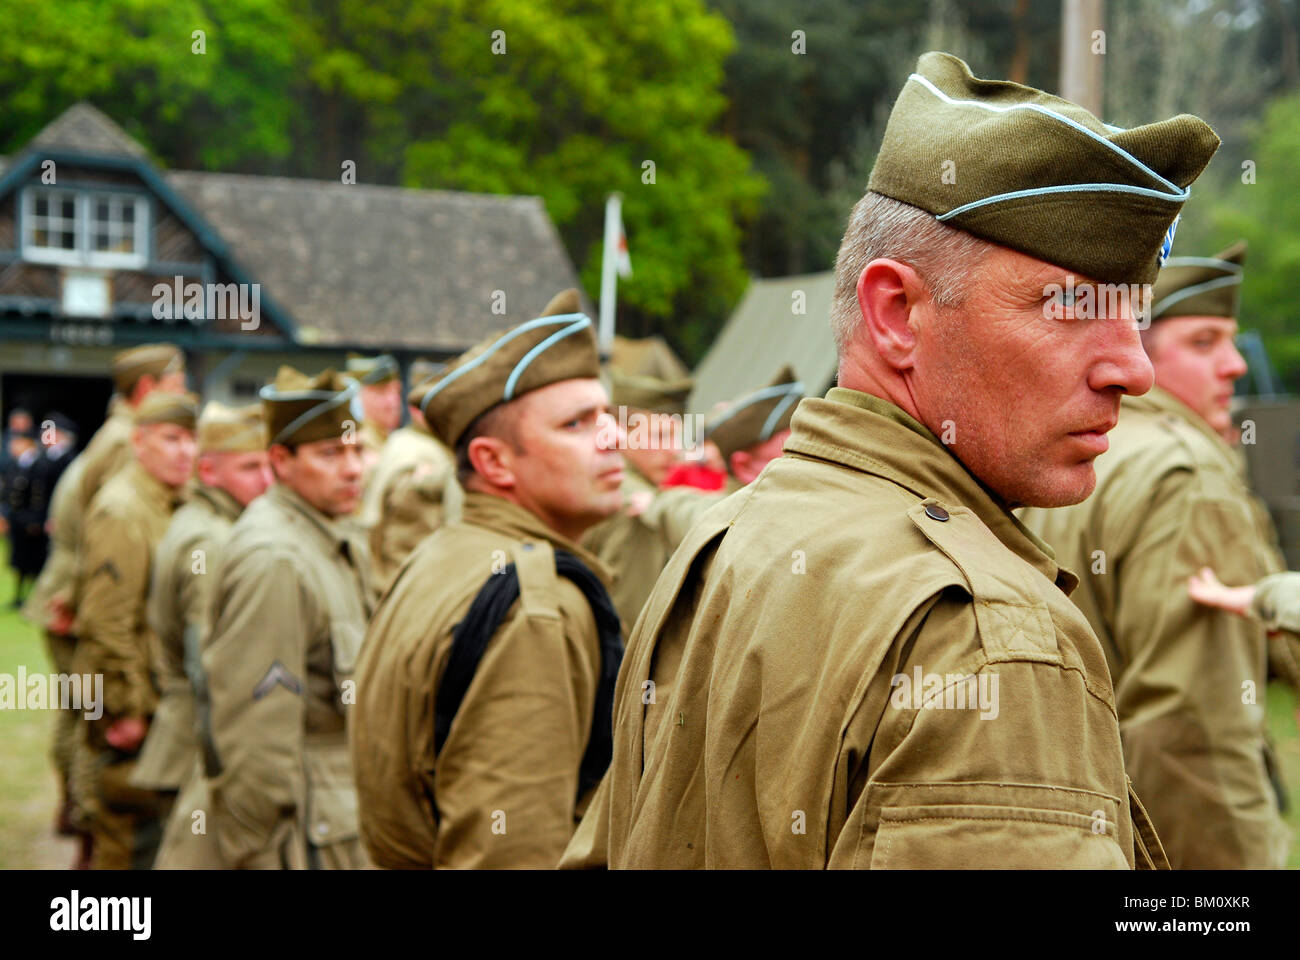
(227,107)
(568,100)
(1266,212)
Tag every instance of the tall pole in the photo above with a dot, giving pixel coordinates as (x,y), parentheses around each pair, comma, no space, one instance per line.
(609,272)
(1083,45)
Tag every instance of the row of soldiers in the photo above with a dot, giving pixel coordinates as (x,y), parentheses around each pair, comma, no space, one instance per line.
(554,660)
(31,464)
(219,567)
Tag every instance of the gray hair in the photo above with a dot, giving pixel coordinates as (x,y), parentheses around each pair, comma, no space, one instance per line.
(883,227)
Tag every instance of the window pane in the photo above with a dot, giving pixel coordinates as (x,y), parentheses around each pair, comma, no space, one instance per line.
(42,206)
(101,240)
(128,212)
(69,207)
(40,238)
(68,240)
(101,211)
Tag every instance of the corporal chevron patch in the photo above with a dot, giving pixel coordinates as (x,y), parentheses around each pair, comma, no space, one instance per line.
(278,673)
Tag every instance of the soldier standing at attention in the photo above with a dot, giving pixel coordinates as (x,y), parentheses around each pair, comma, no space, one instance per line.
(125,521)
(289,607)
(637,541)
(381,403)
(751,431)
(862,659)
(137,372)
(1171,499)
(486,679)
(232,471)
(412,490)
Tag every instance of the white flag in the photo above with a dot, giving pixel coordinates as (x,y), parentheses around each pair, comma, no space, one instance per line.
(622,261)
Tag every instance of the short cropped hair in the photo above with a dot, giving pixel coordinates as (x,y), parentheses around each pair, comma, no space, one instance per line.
(883,227)
(499,422)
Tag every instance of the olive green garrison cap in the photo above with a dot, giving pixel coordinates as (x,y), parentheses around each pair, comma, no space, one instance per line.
(1029,171)
(224,429)
(181,409)
(654,394)
(755,417)
(1199,286)
(371,370)
(301,409)
(558,345)
(154,359)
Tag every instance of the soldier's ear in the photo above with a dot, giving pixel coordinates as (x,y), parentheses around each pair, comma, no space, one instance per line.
(493,460)
(889,292)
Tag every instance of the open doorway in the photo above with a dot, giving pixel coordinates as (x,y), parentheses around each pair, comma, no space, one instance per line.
(83,400)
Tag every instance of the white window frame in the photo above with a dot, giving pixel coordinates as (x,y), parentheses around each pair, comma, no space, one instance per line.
(83,255)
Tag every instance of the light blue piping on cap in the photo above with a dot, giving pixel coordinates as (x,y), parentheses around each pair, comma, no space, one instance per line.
(1065,188)
(330,401)
(506,338)
(777,412)
(582,323)
(791,391)
(1214,262)
(1231,280)
(1039,108)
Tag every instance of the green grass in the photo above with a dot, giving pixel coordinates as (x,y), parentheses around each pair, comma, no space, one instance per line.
(28,791)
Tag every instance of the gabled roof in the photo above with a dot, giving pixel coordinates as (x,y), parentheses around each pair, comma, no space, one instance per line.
(352,265)
(763,333)
(386,266)
(84,129)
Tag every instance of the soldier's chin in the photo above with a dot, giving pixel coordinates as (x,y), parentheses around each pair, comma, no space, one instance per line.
(1060,486)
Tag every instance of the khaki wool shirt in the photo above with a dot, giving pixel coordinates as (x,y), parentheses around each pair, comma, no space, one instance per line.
(108,452)
(1189,679)
(503,791)
(863,660)
(637,547)
(184,566)
(411,493)
(288,612)
(126,520)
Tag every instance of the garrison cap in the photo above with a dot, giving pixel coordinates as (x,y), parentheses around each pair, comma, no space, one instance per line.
(61,422)
(301,409)
(153,358)
(422,370)
(558,345)
(182,409)
(649,393)
(224,429)
(371,370)
(755,417)
(1199,286)
(1024,169)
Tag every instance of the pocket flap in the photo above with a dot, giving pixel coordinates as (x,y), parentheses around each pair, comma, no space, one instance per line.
(331,810)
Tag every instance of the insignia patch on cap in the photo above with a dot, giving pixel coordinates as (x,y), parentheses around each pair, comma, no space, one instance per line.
(1168,243)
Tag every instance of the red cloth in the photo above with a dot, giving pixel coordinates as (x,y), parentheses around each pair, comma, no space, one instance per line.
(695,475)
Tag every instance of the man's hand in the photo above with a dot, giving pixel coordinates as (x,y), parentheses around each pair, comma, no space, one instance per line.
(1204,587)
(61,617)
(127,734)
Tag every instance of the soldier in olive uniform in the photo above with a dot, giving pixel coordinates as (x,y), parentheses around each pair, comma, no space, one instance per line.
(412,490)
(381,404)
(638,540)
(751,431)
(486,680)
(1170,499)
(862,659)
(289,608)
(137,372)
(125,521)
(232,471)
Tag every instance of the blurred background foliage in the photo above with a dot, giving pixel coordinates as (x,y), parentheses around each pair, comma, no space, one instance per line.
(758,151)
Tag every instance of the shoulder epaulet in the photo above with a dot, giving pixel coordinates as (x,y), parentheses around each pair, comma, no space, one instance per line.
(535,564)
(1012,618)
